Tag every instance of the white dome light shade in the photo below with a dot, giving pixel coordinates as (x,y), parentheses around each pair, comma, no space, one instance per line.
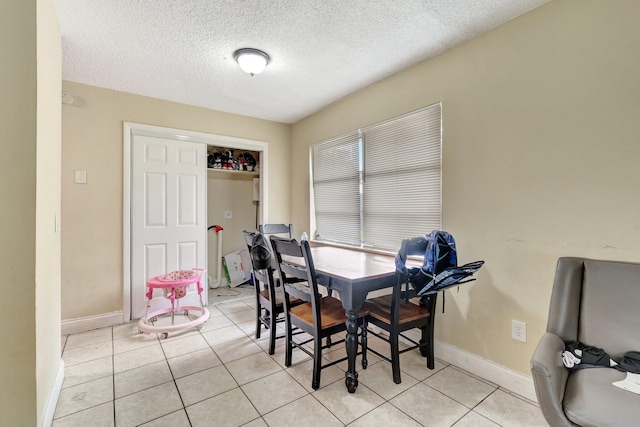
(252,61)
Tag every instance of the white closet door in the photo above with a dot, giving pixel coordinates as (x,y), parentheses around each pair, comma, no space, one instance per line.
(168,209)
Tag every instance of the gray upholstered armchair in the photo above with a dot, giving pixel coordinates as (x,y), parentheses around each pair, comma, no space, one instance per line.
(598,304)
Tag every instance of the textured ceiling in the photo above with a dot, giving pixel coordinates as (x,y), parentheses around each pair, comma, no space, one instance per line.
(321,50)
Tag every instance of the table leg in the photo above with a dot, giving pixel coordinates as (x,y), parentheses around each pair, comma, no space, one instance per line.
(351,342)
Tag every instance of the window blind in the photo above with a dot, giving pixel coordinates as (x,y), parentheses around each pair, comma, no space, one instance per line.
(401,189)
(381,184)
(336,188)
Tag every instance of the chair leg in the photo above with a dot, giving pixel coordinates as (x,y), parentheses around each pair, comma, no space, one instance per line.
(329,292)
(258,322)
(363,343)
(427,341)
(317,362)
(395,356)
(288,346)
(272,332)
(424,341)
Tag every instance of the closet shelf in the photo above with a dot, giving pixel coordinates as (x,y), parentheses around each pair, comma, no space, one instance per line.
(212,171)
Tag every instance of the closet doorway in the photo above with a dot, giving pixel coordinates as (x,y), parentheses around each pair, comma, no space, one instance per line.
(155,240)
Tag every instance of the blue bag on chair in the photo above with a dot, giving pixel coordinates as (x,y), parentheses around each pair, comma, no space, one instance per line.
(439,270)
(450,276)
(441,252)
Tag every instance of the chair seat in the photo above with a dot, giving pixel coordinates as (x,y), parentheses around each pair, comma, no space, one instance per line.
(380,308)
(591,399)
(331,311)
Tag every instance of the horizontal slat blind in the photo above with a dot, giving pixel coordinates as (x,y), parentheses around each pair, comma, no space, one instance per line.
(336,188)
(381,184)
(402,175)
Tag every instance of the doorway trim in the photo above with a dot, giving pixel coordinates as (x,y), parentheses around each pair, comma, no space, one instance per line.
(130,129)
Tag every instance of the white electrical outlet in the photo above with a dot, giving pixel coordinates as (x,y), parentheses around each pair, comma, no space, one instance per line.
(228,214)
(519,330)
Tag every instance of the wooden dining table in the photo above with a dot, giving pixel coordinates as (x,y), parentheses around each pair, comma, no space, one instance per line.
(353,274)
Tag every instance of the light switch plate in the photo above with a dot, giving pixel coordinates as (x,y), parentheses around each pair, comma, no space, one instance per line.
(80,177)
(228,214)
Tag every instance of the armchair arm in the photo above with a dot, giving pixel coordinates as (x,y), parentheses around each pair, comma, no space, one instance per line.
(550,378)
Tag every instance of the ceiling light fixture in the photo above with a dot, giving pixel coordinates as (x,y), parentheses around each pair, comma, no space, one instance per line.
(252,61)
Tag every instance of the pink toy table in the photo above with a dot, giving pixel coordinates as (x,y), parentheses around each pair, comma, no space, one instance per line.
(174,286)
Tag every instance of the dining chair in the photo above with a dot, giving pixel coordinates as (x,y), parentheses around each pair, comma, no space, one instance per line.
(282,230)
(269,301)
(279,229)
(396,313)
(319,316)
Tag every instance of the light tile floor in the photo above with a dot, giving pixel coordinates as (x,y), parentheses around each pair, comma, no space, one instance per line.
(223,376)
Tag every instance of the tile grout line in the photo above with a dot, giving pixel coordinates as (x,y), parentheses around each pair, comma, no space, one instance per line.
(229,372)
(247,334)
(175,383)
(282,369)
(113,376)
(326,385)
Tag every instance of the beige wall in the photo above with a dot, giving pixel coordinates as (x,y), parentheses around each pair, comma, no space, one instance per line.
(49,115)
(30,194)
(18,213)
(228,191)
(92,213)
(540,158)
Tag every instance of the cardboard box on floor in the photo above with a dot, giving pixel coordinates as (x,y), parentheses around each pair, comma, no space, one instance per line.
(237,267)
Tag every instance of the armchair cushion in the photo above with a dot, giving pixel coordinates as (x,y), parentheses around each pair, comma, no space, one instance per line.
(591,400)
(594,302)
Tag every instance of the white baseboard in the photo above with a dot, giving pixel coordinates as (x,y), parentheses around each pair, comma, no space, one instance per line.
(52,401)
(487,369)
(484,368)
(81,324)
